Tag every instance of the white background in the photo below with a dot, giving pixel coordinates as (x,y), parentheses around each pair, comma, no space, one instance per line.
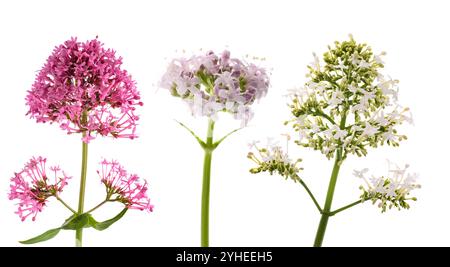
(246,210)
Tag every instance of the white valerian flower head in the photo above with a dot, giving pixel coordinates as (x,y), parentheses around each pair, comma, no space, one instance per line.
(362,106)
(390,191)
(315,128)
(348,91)
(295,92)
(340,134)
(316,63)
(341,65)
(378,59)
(353,88)
(336,98)
(328,133)
(381,119)
(328,149)
(355,59)
(369,130)
(253,144)
(389,87)
(360,173)
(273,158)
(363,64)
(300,94)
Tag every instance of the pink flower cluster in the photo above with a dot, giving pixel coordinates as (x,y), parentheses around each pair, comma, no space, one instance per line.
(83,88)
(211,83)
(31,187)
(126,188)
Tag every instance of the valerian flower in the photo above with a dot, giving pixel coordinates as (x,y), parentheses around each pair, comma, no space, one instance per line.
(346,106)
(124,187)
(210,84)
(273,158)
(32,187)
(348,102)
(83,88)
(389,191)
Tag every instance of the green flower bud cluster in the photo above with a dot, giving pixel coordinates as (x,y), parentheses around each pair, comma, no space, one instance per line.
(391,191)
(273,159)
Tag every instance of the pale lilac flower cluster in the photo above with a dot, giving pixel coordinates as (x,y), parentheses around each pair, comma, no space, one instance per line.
(391,191)
(123,187)
(32,187)
(210,83)
(83,88)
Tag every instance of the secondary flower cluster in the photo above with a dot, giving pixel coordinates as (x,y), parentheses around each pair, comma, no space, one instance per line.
(272,158)
(391,191)
(210,83)
(347,102)
(32,187)
(123,187)
(83,88)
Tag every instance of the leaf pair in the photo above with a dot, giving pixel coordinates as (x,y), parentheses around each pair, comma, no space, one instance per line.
(76,222)
(202,143)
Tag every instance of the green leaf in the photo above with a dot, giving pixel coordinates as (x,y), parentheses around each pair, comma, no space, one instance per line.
(75,222)
(223,138)
(199,140)
(69,219)
(50,233)
(78,222)
(43,237)
(100,226)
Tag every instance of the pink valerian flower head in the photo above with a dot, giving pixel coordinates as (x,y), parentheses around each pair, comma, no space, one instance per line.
(31,187)
(210,83)
(83,88)
(123,187)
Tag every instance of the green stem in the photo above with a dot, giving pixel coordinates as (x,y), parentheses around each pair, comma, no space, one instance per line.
(84,157)
(331,187)
(312,196)
(347,206)
(65,204)
(309,192)
(98,206)
(325,116)
(329,199)
(208,148)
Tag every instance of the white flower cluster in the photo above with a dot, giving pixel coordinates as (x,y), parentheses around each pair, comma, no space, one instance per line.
(391,191)
(347,103)
(272,158)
